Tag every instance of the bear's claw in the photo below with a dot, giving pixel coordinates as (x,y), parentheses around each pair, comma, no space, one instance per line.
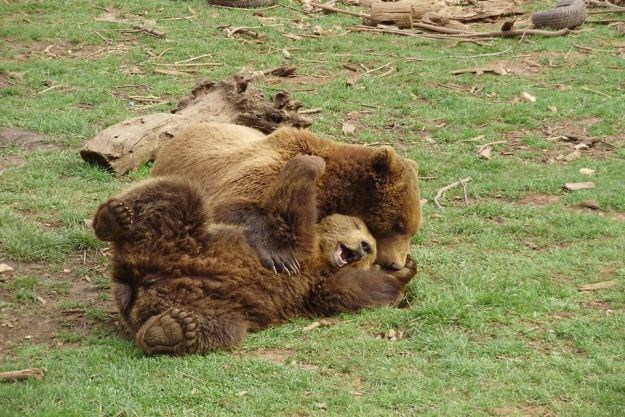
(173,332)
(280,263)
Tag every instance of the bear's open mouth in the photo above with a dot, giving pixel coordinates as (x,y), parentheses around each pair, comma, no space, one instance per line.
(344,255)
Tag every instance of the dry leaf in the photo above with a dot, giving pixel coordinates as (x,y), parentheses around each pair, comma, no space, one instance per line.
(392,335)
(528,97)
(286,53)
(553,109)
(485,153)
(321,406)
(319,323)
(353,78)
(41,300)
(581,147)
(5,268)
(241,393)
(576,186)
(586,171)
(349,128)
(293,36)
(430,140)
(67,271)
(597,286)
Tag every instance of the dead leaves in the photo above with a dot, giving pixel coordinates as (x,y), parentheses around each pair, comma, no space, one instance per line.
(392,335)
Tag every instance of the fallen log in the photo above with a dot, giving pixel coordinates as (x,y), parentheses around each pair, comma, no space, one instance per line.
(22,374)
(127,145)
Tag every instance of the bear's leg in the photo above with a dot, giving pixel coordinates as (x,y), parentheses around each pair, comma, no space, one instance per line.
(282,227)
(180,331)
(351,290)
(112,220)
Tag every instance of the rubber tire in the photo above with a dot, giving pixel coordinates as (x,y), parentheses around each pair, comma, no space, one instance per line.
(567,14)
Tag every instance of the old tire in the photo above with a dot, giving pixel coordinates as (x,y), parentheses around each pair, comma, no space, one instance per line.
(242,3)
(567,14)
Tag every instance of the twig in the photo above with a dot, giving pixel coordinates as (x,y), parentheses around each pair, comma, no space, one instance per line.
(310,111)
(103,38)
(192,64)
(195,58)
(486,145)
(466,194)
(589,49)
(22,374)
(590,90)
(460,56)
(149,31)
(343,11)
(378,68)
(440,192)
(52,88)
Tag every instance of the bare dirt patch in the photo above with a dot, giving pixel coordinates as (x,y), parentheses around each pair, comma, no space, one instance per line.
(570,141)
(278,356)
(62,48)
(55,317)
(539,200)
(21,138)
(523,411)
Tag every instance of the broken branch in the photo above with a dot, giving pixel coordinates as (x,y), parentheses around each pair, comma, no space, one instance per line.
(442,191)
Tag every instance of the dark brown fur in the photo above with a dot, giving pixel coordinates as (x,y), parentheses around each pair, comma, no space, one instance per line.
(242,174)
(185,285)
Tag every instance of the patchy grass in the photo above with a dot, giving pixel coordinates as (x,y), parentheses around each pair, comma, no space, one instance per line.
(494,324)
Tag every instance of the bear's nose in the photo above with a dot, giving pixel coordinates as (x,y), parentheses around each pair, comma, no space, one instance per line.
(366,247)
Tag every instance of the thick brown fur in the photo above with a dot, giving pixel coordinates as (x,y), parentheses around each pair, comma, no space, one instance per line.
(185,285)
(242,174)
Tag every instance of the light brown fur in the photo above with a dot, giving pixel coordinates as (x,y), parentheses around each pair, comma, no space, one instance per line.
(241,173)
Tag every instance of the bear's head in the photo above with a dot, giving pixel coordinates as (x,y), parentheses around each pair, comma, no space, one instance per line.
(346,240)
(396,210)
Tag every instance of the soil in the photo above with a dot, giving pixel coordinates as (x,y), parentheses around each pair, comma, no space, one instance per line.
(52,318)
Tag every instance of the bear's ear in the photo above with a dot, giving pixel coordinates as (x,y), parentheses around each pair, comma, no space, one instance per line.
(413,164)
(383,160)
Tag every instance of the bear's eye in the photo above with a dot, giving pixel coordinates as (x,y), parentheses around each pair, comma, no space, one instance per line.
(400,226)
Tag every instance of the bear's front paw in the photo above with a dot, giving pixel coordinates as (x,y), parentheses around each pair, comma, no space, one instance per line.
(174,332)
(112,220)
(405,274)
(279,261)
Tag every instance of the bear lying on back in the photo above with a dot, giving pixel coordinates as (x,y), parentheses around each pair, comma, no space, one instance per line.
(184,285)
(242,173)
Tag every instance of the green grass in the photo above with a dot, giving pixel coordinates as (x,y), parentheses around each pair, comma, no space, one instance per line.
(494,322)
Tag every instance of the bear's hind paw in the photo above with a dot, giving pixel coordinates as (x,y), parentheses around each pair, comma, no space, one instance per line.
(173,332)
(112,220)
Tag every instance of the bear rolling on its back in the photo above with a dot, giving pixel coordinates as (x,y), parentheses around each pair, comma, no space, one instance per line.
(184,285)
(242,173)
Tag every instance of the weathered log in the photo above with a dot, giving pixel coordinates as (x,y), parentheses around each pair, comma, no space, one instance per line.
(22,374)
(401,14)
(128,144)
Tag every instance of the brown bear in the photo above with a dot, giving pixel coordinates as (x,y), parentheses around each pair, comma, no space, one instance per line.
(241,172)
(185,285)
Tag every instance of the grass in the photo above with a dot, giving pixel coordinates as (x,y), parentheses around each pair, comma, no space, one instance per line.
(494,323)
